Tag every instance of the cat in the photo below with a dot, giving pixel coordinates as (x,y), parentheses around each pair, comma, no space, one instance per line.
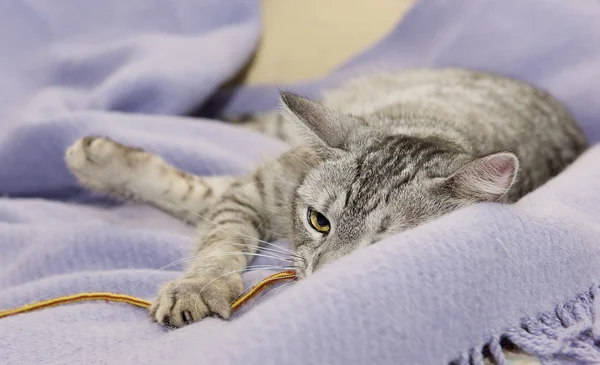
(379,155)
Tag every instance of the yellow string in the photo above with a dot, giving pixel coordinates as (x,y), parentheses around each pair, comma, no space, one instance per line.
(138,302)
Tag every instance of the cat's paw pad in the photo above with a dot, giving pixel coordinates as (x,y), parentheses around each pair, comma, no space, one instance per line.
(191,299)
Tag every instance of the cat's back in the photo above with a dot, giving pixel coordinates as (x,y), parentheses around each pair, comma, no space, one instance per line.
(450,90)
(483,111)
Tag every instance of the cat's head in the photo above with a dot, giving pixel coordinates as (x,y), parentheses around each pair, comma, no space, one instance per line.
(371,183)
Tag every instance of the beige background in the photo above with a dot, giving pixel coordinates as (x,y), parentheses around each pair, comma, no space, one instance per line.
(304,39)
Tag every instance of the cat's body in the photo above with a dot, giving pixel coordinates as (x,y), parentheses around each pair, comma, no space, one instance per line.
(380,155)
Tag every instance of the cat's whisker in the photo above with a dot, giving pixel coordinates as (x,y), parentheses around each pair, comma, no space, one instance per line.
(290,282)
(272,292)
(243,292)
(279,288)
(270,215)
(284,255)
(233,253)
(197,257)
(266,249)
(275,247)
(261,248)
(287,253)
(285,250)
(299,159)
(247,269)
(252,268)
(218,225)
(259,182)
(225,228)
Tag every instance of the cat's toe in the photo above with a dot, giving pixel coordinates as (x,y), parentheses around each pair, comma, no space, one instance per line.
(189,300)
(91,150)
(75,156)
(99,150)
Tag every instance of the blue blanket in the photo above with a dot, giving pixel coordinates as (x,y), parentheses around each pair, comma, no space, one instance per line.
(450,290)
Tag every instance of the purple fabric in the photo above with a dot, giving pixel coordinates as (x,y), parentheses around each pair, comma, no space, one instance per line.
(438,293)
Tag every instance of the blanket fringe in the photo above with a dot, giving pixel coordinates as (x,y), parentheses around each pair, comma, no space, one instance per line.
(568,335)
(477,356)
(571,333)
(496,351)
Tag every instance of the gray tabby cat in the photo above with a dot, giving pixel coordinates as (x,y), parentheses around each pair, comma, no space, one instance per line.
(376,157)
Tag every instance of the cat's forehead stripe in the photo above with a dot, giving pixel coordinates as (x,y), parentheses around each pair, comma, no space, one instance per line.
(386,165)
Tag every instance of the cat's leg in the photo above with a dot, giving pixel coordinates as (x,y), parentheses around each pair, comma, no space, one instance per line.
(106,166)
(213,280)
(270,123)
(254,209)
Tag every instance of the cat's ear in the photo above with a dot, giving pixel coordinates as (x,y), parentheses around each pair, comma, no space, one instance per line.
(486,179)
(316,123)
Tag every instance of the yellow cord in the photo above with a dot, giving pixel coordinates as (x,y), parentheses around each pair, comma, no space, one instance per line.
(138,302)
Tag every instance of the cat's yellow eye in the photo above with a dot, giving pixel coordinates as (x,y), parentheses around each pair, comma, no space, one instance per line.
(318,221)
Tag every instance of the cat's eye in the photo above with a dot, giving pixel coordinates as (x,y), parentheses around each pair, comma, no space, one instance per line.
(317,221)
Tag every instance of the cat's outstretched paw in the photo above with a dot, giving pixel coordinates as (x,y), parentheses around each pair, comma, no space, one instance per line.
(192,299)
(103,164)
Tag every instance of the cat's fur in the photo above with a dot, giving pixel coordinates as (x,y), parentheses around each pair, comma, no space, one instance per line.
(378,156)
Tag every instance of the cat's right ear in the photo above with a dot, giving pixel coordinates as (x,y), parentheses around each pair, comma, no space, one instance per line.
(487,179)
(315,123)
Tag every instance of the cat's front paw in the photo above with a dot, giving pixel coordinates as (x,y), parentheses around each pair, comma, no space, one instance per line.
(191,299)
(101,163)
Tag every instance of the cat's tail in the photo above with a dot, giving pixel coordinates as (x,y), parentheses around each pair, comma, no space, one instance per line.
(130,173)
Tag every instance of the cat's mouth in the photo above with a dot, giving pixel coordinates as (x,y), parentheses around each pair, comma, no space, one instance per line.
(300,268)
(300,275)
(301,261)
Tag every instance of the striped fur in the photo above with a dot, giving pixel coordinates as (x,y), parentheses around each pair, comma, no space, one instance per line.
(377,156)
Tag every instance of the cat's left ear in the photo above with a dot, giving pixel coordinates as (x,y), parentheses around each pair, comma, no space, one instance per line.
(316,123)
(486,179)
